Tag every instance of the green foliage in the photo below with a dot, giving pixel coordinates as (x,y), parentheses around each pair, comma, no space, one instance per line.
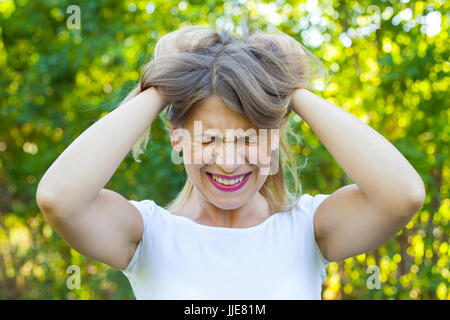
(389,68)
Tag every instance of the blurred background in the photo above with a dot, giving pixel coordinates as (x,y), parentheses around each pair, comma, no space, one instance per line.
(388,62)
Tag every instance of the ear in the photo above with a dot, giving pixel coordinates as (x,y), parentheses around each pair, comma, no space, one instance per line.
(176,137)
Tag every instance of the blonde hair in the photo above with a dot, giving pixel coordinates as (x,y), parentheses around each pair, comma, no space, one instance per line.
(255,77)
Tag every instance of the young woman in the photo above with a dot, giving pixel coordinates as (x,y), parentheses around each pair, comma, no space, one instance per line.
(234,231)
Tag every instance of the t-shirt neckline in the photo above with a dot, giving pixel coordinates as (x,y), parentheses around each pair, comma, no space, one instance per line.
(223,229)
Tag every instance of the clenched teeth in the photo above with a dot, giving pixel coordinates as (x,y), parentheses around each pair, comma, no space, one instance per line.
(227,182)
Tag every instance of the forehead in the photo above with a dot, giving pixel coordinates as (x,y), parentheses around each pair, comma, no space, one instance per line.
(214,114)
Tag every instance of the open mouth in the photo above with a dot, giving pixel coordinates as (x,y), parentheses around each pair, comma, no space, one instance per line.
(227,185)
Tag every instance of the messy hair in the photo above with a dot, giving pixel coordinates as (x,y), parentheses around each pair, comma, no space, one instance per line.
(255,76)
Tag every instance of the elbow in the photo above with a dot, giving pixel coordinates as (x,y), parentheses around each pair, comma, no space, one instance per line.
(42,197)
(413,203)
(418,196)
(418,199)
(45,202)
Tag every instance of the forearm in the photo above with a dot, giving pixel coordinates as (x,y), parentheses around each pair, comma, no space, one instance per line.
(370,160)
(87,164)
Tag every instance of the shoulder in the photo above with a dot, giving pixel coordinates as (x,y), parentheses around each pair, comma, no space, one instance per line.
(152,214)
(303,211)
(145,207)
(306,205)
(153,222)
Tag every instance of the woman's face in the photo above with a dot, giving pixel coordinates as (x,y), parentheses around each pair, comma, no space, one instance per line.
(226,157)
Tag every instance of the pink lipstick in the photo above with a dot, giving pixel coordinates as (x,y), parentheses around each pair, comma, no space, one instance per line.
(229,188)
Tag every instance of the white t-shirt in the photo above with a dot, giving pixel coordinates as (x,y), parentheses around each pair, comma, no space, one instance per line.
(178,258)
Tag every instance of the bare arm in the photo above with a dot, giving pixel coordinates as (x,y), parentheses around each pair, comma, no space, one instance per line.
(97,222)
(387,192)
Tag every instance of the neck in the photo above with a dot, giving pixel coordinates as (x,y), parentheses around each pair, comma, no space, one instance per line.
(254,211)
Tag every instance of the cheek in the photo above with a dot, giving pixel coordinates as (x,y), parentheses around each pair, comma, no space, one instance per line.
(193,153)
(252,155)
(260,154)
(208,153)
(194,172)
(260,179)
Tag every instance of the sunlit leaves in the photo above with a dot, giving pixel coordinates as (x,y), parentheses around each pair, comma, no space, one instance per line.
(389,67)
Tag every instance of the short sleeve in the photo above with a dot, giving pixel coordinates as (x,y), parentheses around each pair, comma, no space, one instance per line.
(145,208)
(309,205)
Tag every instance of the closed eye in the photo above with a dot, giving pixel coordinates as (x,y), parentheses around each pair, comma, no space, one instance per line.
(208,139)
(248,140)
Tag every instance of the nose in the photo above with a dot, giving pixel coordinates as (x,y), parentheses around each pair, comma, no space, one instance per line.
(229,157)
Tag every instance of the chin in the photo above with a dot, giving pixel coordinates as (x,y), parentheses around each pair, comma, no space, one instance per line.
(227,202)
(228,205)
